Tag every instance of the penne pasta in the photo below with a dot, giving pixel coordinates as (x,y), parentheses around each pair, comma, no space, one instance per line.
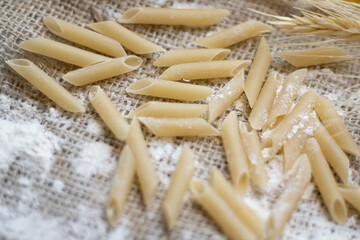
(260,112)
(46,84)
(204,70)
(169,89)
(179,185)
(243,212)
(235,153)
(107,111)
(325,182)
(169,110)
(84,37)
(315,56)
(62,52)
(173,16)
(220,211)
(230,36)
(352,195)
(257,72)
(174,127)
(256,163)
(333,153)
(103,70)
(144,167)
(284,99)
(335,126)
(124,36)
(226,96)
(290,196)
(179,56)
(121,186)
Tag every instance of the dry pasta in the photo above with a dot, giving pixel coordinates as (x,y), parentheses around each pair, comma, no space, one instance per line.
(103,70)
(173,16)
(62,52)
(46,84)
(84,37)
(127,38)
(351,194)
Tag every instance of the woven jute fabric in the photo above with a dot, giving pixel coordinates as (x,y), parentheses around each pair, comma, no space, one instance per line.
(53,187)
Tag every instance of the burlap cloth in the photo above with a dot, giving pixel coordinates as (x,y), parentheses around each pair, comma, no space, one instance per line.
(56,167)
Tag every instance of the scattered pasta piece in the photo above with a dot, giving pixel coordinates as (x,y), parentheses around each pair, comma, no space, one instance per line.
(351,194)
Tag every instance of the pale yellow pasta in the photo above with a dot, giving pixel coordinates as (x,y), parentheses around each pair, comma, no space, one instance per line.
(351,194)
(235,153)
(127,38)
(179,185)
(204,70)
(46,84)
(179,56)
(169,89)
(289,198)
(335,126)
(62,52)
(333,153)
(173,127)
(230,36)
(226,96)
(173,16)
(257,72)
(260,112)
(243,211)
(103,70)
(107,111)
(256,163)
(285,96)
(121,186)
(325,182)
(315,56)
(144,167)
(220,211)
(292,122)
(169,110)
(84,37)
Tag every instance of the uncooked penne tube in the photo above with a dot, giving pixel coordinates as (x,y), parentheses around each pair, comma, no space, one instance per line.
(169,89)
(173,16)
(179,185)
(204,70)
(103,70)
(351,194)
(121,186)
(62,52)
(290,196)
(173,127)
(260,112)
(286,95)
(333,153)
(107,111)
(235,153)
(325,182)
(315,56)
(179,56)
(335,126)
(226,96)
(144,167)
(127,38)
(234,34)
(257,72)
(256,163)
(169,110)
(84,37)
(220,211)
(244,212)
(46,84)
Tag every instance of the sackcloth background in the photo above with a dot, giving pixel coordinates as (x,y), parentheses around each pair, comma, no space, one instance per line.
(56,167)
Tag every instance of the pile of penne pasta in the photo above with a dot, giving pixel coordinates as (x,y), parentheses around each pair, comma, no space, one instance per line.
(308,132)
